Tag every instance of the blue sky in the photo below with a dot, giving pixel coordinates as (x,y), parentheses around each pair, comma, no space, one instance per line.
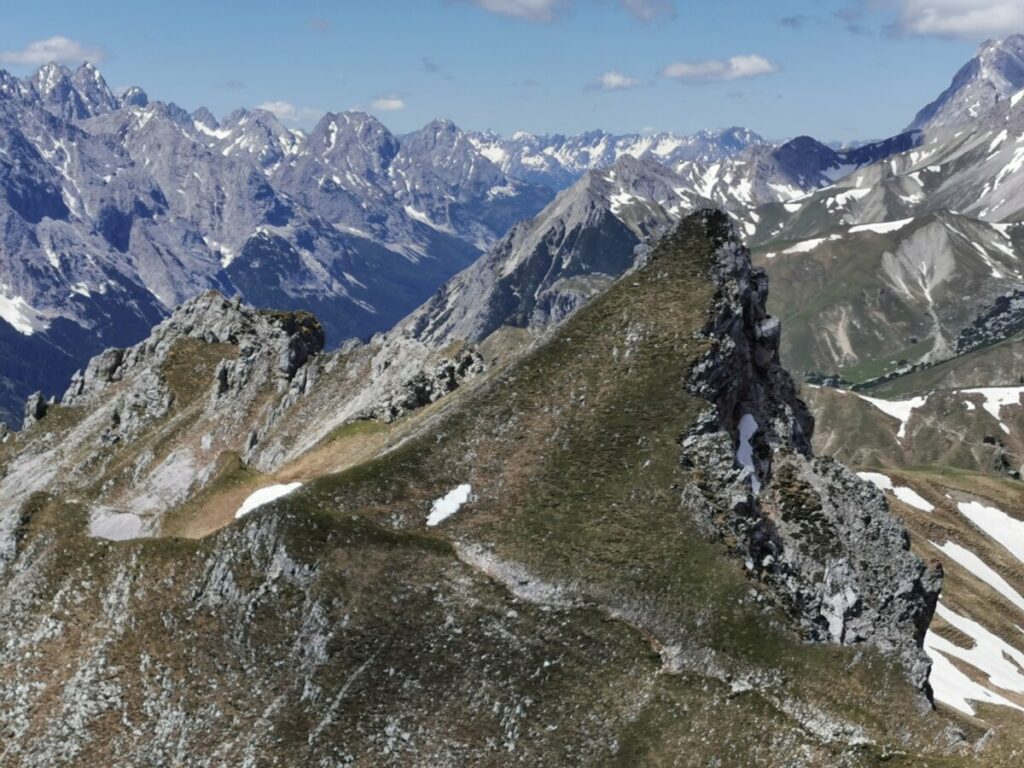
(835,69)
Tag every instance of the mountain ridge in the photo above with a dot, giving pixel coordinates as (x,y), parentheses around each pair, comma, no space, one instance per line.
(995,73)
(695,618)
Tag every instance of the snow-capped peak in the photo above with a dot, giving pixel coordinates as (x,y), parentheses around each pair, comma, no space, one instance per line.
(995,73)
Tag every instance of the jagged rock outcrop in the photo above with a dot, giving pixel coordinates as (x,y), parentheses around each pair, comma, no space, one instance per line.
(212,319)
(427,386)
(824,540)
(155,420)
(1000,320)
(35,409)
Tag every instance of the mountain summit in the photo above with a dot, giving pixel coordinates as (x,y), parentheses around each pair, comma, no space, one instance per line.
(642,553)
(996,72)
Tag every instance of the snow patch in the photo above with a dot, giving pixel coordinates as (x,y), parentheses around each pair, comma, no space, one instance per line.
(993,657)
(881,228)
(265,496)
(622,199)
(844,198)
(805,246)
(217,133)
(997,525)
(898,409)
(978,568)
(902,492)
(18,313)
(996,398)
(745,451)
(419,216)
(448,504)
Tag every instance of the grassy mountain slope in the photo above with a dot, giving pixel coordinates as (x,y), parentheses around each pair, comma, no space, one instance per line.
(575,611)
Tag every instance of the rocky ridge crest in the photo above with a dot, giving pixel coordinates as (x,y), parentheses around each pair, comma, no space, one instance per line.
(824,540)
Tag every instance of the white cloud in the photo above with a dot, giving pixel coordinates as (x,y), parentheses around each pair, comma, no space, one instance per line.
(970,19)
(549,10)
(648,10)
(59,49)
(388,104)
(614,81)
(288,112)
(530,10)
(710,70)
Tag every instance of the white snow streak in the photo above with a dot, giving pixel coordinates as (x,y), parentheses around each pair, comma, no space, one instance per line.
(978,568)
(996,659)
(881,228)
(745,452)
(997,525)
(265,496)
(448,504)
(902,492)
(898,409)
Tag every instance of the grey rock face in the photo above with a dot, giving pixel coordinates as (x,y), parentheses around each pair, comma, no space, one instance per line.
(545,268)
(114,211)
(427,386)
(221,372)
(35,409)
(995,73)
(213,319)
(825,541)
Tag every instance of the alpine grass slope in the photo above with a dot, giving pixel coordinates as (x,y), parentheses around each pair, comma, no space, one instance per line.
(630,572)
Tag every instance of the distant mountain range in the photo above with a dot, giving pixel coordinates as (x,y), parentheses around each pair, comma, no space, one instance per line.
(115,209)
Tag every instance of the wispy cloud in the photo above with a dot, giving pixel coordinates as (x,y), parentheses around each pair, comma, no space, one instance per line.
(429,65)
(289,113)
(796,22)
(234,85)
(853,17)
(549,10)
(60,49)
(649,10)
(967,19)
(614,81)
(320,24)
(713,70)
(388,104)
(528,10)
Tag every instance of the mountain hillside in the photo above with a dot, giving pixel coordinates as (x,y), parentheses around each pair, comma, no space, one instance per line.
(864,301)
(586,555)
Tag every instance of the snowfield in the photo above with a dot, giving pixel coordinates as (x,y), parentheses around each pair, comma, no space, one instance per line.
(997,525)
(904,493)
(898,409)
(996,659)
(265,496)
